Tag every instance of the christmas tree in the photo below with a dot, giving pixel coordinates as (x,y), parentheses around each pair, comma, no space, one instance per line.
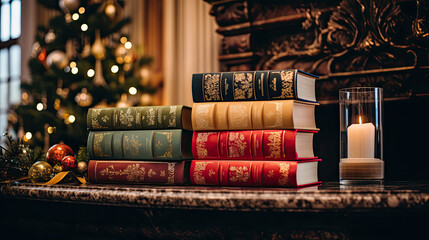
(80,60)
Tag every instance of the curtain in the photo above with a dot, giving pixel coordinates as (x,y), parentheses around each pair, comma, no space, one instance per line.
(190,45)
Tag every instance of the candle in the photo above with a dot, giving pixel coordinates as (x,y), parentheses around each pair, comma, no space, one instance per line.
(360,140)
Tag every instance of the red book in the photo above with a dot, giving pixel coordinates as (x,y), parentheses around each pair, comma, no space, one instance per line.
(254,145)
(145,172)
(254,173)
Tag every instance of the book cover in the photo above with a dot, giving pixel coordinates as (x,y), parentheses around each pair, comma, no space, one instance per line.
(253,115)
(254,173)
(173,144)
(253,86)
(140,118)
(138,172)
(254,145)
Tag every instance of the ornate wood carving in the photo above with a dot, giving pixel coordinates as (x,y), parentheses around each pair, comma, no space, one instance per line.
(346,42)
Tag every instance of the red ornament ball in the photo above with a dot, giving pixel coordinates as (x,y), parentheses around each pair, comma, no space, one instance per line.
(57,152)
(68,163)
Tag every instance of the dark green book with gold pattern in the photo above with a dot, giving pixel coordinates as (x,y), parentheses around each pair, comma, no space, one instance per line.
(139,118)
(168,144)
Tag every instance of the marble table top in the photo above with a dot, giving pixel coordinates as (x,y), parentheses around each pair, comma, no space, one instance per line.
(326,197)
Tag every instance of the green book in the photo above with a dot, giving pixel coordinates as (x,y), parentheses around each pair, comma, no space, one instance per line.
(171,144)
(140,118)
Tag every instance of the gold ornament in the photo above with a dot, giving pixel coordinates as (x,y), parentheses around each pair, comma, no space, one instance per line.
(57,58)
(50,36)
(82,167)
(124,101)
(71,4)
(98,49)
(83,99)
(57,168)
(110,11)
(99,52)
(40,172)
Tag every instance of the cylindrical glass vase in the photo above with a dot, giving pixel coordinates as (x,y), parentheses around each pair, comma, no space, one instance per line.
(361,135)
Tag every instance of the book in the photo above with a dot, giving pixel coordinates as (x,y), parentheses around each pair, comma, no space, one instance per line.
(253,86)
(139,118)
(143,172)
(254,145)
(172,144)
(254,173)
(253,115)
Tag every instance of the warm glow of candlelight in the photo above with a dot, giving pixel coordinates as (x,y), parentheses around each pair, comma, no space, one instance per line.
(360,120)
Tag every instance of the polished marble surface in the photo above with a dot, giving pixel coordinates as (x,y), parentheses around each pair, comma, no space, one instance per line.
(326,197)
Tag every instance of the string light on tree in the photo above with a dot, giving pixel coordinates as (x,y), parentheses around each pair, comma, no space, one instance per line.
(51,129)
(75,16)
(132,90)
(90,72)
(84,27)
(67,69)
(81,10)
(74,70)
(28,136)
(128,45)
(72,118)
(124,40)
(114,68)
(39,107)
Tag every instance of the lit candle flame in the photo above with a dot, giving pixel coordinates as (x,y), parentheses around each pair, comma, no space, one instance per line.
(360,120)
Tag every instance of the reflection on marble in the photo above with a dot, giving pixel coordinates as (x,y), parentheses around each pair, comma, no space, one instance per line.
(328,196)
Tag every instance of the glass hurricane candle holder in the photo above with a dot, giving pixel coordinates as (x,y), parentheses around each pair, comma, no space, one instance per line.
(361,135)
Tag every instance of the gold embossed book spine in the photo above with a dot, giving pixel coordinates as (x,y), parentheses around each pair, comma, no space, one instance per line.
(139,118)
(162,145)
(253,86)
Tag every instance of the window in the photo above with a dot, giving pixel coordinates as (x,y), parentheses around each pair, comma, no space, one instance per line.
(10,58)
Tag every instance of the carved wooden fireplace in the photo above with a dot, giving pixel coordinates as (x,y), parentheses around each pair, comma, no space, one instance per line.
(381,43)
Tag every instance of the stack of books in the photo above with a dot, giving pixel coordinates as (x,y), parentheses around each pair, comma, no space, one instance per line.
(139,144)
(254,129)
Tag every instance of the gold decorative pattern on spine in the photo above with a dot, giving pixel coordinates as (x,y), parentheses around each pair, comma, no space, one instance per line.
(133,172)
(243,86)
(151,173)
(138,117)
(239,115)
(279,115)
(125,117)
(94,118)
(172,116)
(287,85)
(236,146)
(238,174)
(284,174)
(98,151)
(270,174)
(226,86)
(201,146)
(132,145)
(169,152)
(202,120)
(170,179)
(198,175)
(150,117)
(211,87)
(274,144)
